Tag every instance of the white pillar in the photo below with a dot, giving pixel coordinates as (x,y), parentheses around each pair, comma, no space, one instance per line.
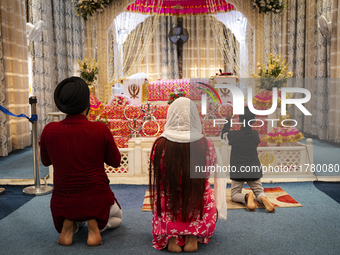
(225,154)
(138,158)
(310,151)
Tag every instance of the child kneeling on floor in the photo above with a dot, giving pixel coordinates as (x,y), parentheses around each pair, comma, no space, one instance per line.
(245,164)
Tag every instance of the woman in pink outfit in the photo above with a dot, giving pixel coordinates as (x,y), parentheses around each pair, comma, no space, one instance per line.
(184,210)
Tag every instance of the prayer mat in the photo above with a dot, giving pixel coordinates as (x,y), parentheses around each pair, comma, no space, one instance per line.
(277,196)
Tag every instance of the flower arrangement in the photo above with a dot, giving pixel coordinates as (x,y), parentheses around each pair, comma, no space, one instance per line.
(177,93)
(119,100)
(88,69)
(86,8)
(101,118)
(273,74)
(270,6)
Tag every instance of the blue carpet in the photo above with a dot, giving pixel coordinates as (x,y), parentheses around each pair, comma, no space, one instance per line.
(325,153)
(311,229)
(19,165)
(12,199)
(331,189)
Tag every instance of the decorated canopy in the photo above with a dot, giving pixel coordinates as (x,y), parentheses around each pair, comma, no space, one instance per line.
(180,7)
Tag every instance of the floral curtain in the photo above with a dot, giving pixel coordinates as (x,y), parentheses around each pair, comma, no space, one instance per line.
(297,37)
(55,53)
(14,91)
(161,60)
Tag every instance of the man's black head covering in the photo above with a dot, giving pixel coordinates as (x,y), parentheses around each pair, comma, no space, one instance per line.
(72,95)
(248,115)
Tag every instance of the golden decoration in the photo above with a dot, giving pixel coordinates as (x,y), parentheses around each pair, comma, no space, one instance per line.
(285,117)
(91,87)
(267,159)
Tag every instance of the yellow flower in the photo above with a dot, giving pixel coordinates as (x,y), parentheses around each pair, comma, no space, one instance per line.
(271,54)
(258,64)
(271,66)
(289,95)
(81,7)
(290,74)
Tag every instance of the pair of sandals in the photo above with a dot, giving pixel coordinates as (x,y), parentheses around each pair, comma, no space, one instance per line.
(251,204)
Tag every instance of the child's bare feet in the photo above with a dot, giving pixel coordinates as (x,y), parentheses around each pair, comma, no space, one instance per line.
(66,236)
(94,238)
(269,206)
(173,246)
(191,245)
(250,201)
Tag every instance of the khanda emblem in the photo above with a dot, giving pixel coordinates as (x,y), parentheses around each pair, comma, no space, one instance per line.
(133,90)
(267,159)
(225,92)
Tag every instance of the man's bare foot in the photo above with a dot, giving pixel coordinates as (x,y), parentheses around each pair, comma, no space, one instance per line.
(269,206)
(191,245)
(66,236)
(250,201)
(94,238)
(173,246)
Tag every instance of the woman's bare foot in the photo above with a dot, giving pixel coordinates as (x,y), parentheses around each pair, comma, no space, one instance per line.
(173,246)
(66,236)
(250,201)
(191,245)
(269,206)
(94,238)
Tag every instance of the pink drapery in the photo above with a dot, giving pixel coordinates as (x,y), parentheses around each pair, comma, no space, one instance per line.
(190,7)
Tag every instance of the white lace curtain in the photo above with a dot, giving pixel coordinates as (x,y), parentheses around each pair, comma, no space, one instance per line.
(201,54)
(55,52)
(14,91)
(161,59)
(297,37)
(334,111)
(97,45)
(132,34)
(240,29)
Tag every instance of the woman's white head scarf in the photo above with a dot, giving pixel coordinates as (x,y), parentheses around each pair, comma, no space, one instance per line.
(183,124)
